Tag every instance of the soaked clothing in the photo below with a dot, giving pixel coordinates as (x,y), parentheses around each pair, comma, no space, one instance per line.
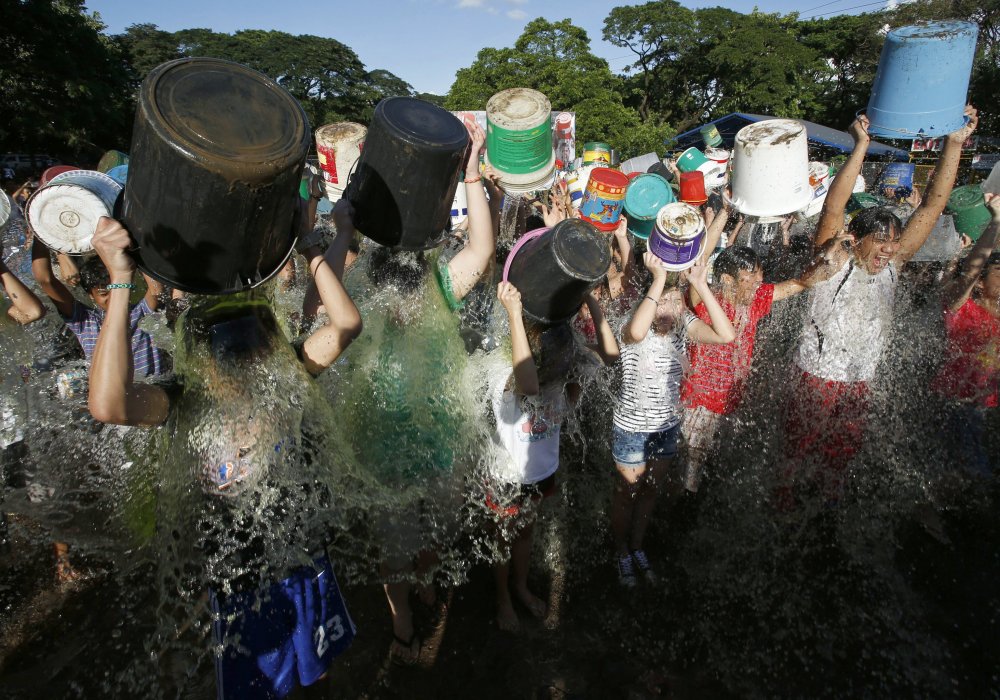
(718,372)
(648,400)
(847,323)
(528,429)
(85,322)
(972,364)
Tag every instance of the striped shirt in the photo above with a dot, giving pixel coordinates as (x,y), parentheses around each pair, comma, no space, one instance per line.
(86,325)
(648,399)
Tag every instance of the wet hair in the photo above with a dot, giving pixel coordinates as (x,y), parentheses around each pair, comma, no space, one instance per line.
(551,349)
(732,260)
(404,270)
(241,329)
(94,275)
(881,220)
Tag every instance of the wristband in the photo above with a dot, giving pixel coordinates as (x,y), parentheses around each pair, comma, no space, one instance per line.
(652,299)
(474,180)
(120,285)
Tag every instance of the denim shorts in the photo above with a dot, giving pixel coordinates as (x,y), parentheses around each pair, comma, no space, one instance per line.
(635,449)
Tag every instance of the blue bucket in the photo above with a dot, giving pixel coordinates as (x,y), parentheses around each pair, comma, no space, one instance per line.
(644,198)
(896,181)
(922,81)
(119,174)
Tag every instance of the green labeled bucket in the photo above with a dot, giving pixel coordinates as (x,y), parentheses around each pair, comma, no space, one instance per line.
(596,153)
(968,206)
(518,131)
(710,134)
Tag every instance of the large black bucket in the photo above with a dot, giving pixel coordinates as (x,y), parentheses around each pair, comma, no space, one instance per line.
(405,180)
(555,270)
(216,159)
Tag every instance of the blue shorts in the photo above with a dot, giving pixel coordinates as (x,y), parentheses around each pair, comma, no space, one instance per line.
(280,637)
(635,449)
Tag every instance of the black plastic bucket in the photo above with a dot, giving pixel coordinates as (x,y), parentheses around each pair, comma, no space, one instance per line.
(405,180)
(216,159)
(555,270)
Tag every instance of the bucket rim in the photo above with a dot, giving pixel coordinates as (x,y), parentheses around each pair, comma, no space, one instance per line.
(85,243)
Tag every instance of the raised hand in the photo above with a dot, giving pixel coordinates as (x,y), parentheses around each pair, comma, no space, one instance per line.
(654,265)
(859,129)
(510,298)
(111,241)
(962,134)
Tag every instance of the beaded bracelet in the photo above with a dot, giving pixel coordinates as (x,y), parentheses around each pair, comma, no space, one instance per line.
(473,180)
(120,285)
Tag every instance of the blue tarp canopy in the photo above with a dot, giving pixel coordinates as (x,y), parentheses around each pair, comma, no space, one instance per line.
(816,133)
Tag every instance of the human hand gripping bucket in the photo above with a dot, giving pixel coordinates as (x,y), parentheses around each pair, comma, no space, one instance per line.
(771,168)
(678,236)
(64,213)
(922,81)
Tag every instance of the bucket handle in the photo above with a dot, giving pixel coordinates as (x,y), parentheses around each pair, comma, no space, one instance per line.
(532,235)
(905,134)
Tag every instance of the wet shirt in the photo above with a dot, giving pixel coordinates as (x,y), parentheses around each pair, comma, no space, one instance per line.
(847,323)
(85,323)
(528,428)
(972,363)
(648,399)
(718,372)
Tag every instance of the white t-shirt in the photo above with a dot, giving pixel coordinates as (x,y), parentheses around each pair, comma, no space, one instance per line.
(649,398)
(845,328)
(528,428)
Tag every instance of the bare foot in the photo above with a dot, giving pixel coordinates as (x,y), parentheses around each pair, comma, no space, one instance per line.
(535,605)
(507,619)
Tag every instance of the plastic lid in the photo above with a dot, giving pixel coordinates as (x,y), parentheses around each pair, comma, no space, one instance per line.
(680,221)
(581,249)
(217,110)
(518,109)
(935,31)
(422,122)
(341,131)
(646,195)
(65,216)
(966,197)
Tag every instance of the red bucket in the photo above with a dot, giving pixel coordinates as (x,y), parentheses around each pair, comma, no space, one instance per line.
(604,198)
(693,187)
(50,173)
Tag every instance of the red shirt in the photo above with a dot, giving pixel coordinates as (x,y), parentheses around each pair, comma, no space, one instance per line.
(719,371)
(971,366)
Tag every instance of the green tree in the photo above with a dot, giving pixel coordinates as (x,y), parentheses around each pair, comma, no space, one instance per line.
(63,84)
(555,59)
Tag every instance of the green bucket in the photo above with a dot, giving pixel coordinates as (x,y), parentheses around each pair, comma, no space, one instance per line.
(519,131)
(597,152)
(112,159)
(710,134)
(968,206)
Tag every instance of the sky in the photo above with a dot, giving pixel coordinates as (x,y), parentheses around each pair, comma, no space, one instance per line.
(424,42)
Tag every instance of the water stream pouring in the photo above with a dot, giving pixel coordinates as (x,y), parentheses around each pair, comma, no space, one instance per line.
(212,195)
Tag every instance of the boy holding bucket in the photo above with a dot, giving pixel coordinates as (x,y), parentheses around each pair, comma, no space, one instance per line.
(529,400)
(850,309)
(85,322)
(246,492)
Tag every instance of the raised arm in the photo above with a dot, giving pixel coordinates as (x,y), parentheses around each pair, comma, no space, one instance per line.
(831,220)
(606,346)
(644,314)
(114,396)
(958,288)
(154,289)
(25,306)
(629,271)
(721,331)
(525,372)
(935,198)
(324,346)
(471,262)
(41,269)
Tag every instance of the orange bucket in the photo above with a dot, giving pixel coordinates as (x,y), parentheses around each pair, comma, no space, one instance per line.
(604,198)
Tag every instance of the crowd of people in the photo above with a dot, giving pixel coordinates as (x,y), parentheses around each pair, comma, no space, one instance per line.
(680,347)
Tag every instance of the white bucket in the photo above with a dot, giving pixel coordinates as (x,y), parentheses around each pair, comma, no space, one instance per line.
(718,174)
(771,168)
(639,164)
(338,147)
(459,206)
(64,213)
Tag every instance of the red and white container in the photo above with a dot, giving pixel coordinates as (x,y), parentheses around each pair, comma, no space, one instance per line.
(338,147)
